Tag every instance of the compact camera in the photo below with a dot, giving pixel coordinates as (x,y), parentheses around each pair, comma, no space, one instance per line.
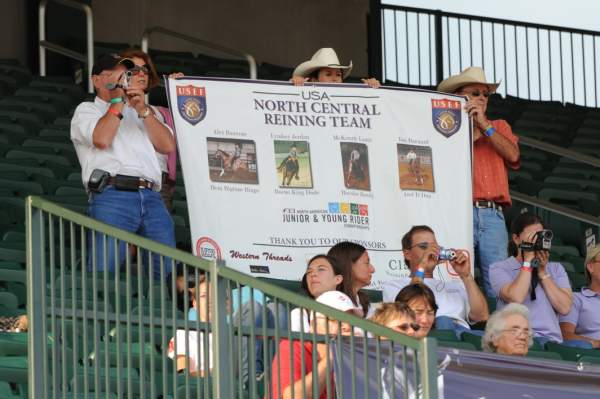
(446,254)
(542,241)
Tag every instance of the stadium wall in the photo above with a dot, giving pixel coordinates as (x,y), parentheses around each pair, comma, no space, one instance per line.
(283,32)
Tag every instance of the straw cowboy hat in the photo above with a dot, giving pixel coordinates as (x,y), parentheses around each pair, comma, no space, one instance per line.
(323,58)
(471,75)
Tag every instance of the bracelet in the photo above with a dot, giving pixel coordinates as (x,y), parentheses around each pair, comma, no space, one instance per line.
(545,276)
(145,114)
(420,273)
(527,266)
(489,131)
(115,113)
(116,100)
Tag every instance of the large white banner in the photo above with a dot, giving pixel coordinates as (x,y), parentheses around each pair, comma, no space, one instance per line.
(275,174)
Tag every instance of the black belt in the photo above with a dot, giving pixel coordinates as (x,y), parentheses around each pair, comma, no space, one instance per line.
(484,204)
(133,183)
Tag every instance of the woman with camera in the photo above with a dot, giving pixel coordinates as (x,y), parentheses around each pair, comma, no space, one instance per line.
(527,277)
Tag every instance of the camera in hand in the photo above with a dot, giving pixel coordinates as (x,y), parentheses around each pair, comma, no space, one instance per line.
(446,254)
(124,81)
(542,241)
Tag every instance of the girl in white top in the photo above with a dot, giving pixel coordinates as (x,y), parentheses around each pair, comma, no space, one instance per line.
(354,259)
(322,274)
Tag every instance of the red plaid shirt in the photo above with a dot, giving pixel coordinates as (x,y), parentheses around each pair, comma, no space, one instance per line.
(490,174)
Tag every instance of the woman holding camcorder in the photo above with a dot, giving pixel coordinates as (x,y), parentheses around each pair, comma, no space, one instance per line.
(529,278)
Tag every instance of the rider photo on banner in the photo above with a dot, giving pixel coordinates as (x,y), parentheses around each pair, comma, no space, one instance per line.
(415,168)
(290,171)
(292,162)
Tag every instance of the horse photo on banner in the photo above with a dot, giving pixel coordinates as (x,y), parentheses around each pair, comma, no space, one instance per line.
(276,173)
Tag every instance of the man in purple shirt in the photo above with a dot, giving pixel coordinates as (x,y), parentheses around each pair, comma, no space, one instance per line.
(581,327)
(528,278)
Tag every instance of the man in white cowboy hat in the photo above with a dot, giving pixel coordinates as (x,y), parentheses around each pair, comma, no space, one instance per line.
(325,67)
(495,148)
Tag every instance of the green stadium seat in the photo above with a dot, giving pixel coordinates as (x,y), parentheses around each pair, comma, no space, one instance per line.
(578,280)
(5,167)
(458,345)
(30,121)
(472,339)
(73,90)
(12,254)
(22,188)
(7,392)
(8,300)
(47,111)
(443,335)
(64,101)
(12,347)
(115,378)
(39,157)
(571,353)
(138,351)
(589,359)
(14,369)
(541,354)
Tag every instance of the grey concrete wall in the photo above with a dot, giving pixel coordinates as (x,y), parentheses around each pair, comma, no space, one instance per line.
(284,32)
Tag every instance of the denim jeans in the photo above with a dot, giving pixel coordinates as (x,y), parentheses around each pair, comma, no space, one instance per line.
(490,241)
(578,343)
(141,212)
(448,323)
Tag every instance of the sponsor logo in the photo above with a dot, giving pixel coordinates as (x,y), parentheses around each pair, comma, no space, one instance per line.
(208,249)
(191,103)
(445,114)
(345,213)
(259,269)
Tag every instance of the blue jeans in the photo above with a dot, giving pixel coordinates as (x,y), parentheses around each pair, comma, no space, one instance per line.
(448,323)
(141,212)
(578,343)
(490,241)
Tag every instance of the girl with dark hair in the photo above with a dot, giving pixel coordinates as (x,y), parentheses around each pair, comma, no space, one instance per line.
(322,274)
(421,300)
(354,258)
(527,277)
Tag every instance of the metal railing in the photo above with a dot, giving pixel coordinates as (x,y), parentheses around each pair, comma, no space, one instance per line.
(87,58)
(534,61)
(93,332)
(194,40)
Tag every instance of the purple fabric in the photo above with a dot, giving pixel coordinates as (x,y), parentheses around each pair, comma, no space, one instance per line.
(585,313)
(542,317)
(172,157)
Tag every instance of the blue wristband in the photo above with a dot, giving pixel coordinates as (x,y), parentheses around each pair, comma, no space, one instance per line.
(489,131)
(420,273)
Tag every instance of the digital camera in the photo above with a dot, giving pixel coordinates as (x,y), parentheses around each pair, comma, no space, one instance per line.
(542,241)
(446,254)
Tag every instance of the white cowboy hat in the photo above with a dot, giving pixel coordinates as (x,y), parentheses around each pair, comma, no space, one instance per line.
(323,58)
(471,75)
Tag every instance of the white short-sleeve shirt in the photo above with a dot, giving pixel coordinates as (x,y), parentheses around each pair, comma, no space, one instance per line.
(194,349)
(131,152)
(450,297)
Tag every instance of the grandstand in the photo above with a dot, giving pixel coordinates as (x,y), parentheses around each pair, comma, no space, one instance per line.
(84,352)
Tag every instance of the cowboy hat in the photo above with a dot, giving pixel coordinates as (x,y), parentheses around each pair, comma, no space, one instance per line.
(471,75)
(323,58)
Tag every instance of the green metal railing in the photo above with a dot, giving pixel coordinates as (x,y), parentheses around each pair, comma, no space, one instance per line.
(108,334)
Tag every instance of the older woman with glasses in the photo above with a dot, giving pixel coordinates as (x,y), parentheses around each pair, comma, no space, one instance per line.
(507,331)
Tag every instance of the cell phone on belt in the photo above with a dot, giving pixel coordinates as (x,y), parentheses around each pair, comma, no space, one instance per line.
(98,180)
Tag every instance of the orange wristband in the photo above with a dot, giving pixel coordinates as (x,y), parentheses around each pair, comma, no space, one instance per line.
(115,113)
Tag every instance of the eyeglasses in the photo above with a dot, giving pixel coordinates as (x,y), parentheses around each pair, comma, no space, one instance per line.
(422,245)
(140,68)
(515,332)
(477,93)
(405,326)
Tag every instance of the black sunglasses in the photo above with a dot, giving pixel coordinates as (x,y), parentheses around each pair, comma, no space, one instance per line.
(142,68)
(404,327)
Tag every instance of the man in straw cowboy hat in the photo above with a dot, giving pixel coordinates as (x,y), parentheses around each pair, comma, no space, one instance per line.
(494,148)
(325,67)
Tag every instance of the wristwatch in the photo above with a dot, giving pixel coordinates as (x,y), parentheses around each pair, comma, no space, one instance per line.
(145,114)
